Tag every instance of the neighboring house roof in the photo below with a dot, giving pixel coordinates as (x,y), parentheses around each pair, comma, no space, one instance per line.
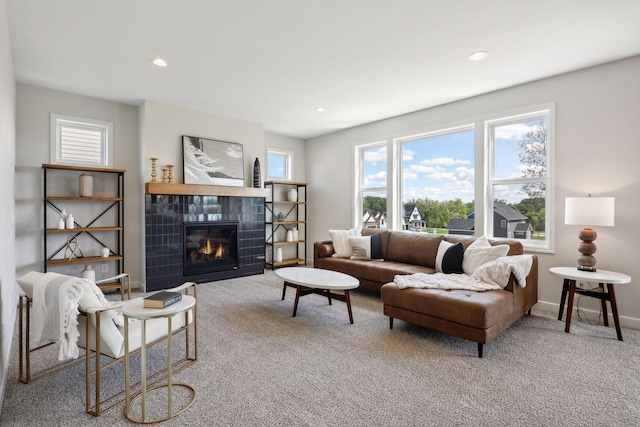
(408,209)
(507,212)
(460,224)
(522,226)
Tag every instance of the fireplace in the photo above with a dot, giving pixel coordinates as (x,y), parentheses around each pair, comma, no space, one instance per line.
(210,246)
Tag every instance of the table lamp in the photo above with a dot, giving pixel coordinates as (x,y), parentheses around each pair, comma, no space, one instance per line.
(588,211)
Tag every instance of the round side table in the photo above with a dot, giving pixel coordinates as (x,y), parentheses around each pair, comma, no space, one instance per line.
(571,275)
(134,310)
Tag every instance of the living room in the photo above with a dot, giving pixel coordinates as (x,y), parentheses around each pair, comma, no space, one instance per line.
(596,106)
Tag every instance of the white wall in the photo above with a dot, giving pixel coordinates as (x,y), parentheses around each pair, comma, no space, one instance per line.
(34,105)
(295,145)
(8,287)
(597,152)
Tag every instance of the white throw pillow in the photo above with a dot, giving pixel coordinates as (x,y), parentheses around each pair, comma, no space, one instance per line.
(366,248)
(481,252)
(341,244)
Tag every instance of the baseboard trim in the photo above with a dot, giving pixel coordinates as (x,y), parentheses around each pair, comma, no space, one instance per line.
(554,307)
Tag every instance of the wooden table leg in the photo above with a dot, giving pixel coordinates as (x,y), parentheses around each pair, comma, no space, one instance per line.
(348,301)
(284,290)
(565,289)
(603,304)
(295,304)
(572,291)
(614,310)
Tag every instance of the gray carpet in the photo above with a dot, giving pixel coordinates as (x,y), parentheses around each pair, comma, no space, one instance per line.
(258,366)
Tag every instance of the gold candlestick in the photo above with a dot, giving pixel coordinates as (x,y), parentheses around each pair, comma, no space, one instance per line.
(170,167)
(153,170)
(165,179)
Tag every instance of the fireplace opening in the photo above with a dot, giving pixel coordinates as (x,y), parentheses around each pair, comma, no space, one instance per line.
(210,246)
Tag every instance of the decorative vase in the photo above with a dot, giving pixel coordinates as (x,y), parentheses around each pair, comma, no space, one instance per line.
(70,222)
(105,252)
(296,235)
(256,173)
(278,254)
(289,236)
(88,273)
(85,185)
(61,224)
(292,195)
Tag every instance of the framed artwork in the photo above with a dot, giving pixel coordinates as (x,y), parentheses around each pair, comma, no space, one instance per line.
(212,162)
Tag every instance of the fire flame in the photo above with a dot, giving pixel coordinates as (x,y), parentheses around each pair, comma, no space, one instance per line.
(208,250)
(219,252)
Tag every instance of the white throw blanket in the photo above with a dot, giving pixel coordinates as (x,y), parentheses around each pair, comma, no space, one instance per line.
(490,276)
(55,310)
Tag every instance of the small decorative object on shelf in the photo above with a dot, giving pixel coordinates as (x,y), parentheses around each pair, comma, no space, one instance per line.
(289,236)
(278,255)
(256,174)
(85,185)
(165,177)
(72,250)
(292,195)
(104,253)
(153,170)
(296,234)
(70,222)
(170,177)
(88,273)
(61,224)
(280,216)
(162,299)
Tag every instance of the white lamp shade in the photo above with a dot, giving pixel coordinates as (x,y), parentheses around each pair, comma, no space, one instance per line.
(589,211)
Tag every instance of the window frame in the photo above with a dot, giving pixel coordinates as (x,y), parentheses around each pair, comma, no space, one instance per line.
(359,181)
(59,121)
(547,112)
(288,163)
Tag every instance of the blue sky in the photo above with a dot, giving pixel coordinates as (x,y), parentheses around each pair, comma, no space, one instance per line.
(442,167)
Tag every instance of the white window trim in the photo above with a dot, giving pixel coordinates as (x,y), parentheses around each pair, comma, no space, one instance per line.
(288,163)
(359,180)
(99,125)
(547,111)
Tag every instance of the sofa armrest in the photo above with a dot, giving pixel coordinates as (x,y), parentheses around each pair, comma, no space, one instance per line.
(527,297)
(322,249)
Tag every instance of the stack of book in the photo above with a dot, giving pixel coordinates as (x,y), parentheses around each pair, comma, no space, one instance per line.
(162,299)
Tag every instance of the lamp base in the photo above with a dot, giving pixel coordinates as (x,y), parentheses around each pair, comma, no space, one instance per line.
(586,268)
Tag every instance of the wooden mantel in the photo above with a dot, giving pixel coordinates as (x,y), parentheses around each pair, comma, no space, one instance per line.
(203,190)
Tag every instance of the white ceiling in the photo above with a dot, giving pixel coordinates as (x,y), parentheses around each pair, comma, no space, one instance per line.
(274,61)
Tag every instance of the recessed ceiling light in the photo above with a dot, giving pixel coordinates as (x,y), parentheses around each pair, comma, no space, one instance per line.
(159,62)
(320,109)
(478,56)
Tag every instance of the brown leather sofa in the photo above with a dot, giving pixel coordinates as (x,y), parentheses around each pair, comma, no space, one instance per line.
(476,316)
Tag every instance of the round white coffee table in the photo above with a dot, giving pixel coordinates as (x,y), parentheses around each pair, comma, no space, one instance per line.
(571,275)
(308,280)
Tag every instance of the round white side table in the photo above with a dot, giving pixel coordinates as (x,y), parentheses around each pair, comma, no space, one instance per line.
(134,310)
(571,275)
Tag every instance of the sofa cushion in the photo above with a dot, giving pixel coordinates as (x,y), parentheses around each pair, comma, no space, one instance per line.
(475,309)
(481,252)
(374,271)
(449,258)
(366,247)
(341,244)
(413,248)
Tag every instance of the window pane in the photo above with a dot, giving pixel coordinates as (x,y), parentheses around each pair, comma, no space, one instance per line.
(438,183)
(375,167)
(374,211)
(516,215)
(277,166)
(521,150)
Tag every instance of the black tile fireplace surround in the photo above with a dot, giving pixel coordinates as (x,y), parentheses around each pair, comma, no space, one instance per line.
(165,216)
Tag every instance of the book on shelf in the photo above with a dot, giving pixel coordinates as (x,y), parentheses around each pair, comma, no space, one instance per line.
(162,299)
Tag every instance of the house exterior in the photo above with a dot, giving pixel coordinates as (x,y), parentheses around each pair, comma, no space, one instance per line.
(507,223)
(412,220)
(373,219)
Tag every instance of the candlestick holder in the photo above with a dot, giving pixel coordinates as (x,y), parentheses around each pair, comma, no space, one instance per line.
(165,178)
(153,170)
(170,177)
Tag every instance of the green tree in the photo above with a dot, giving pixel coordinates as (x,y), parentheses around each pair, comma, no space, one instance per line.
(376,204)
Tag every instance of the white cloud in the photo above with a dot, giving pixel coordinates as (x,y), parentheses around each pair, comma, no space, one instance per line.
(376,155)
(376,180)
(463,173)
(514,132)
(444,161)
(407,154)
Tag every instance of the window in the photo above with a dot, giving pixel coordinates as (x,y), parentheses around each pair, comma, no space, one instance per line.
(279,164)
(519,184)
(79,141)
(372,185)
(438,181)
